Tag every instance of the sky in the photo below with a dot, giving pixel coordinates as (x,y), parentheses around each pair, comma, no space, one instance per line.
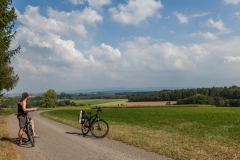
(96,44)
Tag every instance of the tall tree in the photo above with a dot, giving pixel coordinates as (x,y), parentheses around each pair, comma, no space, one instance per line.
(49,99)
(8,79)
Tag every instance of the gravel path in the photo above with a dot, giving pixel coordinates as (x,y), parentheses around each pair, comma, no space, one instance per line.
(61,142)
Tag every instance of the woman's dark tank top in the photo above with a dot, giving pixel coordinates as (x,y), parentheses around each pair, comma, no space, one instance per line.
(20,110)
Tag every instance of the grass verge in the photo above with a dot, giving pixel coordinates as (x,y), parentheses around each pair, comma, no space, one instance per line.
(8,150)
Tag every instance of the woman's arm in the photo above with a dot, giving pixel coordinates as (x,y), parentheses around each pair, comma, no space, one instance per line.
(27,109)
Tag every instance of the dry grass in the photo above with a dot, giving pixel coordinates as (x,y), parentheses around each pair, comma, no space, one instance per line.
(8,149)
(173,145)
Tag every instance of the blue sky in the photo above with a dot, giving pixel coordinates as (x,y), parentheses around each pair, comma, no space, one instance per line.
(88,44)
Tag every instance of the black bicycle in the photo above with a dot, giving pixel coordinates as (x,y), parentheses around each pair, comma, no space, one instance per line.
(98,127)
(28,129)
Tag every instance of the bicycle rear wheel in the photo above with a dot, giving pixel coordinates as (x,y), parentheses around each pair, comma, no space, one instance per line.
(30,134)
(100,128)
(85,126)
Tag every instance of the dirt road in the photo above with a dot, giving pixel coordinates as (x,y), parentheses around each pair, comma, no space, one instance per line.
(61,142)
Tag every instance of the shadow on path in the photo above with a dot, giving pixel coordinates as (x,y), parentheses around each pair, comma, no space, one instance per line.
(16,141)
(80,134)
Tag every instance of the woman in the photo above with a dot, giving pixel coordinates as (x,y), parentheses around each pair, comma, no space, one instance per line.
(22,109)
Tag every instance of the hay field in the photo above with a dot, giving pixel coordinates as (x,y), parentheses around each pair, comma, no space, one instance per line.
(155,103)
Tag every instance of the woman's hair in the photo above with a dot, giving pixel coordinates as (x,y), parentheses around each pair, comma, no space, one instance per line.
(24,96)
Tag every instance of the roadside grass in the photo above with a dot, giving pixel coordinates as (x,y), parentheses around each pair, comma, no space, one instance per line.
(176,132)
(8,150)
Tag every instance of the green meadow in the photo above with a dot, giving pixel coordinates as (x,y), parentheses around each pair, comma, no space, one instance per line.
(180,132)
(220,124)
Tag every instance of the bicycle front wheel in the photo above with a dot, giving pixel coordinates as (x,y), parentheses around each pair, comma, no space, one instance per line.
(85,126)
(30,134)
(100,128)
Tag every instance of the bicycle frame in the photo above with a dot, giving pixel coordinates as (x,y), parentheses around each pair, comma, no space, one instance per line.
(98,127)
(94,117)
(28,129)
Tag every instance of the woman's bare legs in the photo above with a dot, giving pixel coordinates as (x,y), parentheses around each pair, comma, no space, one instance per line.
(20,134)
(34,134)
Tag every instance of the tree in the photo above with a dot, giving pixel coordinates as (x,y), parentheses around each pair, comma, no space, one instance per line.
(5,103)
(49,99)
(8,79)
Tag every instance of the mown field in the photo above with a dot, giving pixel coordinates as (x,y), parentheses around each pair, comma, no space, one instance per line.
(118,102)
(176,132)
(92,102)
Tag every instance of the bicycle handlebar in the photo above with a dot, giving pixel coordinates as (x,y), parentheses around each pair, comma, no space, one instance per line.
(99,109)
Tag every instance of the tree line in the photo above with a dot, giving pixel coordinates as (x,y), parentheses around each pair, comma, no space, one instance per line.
(46,100)
(91,95)
(52,99)
(218,96)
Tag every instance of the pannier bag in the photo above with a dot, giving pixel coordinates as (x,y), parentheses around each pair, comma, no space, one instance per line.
(81,116)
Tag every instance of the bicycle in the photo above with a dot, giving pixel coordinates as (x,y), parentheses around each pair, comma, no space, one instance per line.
(28,129)
(98,127)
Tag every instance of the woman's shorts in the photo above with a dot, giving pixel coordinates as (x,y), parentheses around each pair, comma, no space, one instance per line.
(22,120)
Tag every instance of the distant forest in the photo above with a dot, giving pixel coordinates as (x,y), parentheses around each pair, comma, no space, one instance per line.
(64,99)
(218,96)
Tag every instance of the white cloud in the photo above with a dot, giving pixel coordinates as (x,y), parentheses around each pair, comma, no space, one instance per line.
(200,15)
(135,11)
(87,16)
(55,49)
(98,3)
(232,1)
(218,25)
(232,59)
(237,14)
(31,18)
(26,66)
(76,2)
(182,18)
(92,3)
(206,35)
(63,23)
(144,52)
(48,56)
(185,19)
(105,52)
(209,35)
(224,51)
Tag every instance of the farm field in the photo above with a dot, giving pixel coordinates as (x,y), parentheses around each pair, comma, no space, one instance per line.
(156,103)
(176,132)
(89,102)
(118,102)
